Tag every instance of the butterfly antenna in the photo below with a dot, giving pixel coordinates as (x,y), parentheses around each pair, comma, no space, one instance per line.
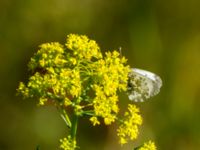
(120,51)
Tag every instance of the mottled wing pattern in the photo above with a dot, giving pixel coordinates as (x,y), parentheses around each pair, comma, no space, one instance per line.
(143,84)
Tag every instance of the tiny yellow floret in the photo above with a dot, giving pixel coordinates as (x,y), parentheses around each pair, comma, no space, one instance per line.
(94,121)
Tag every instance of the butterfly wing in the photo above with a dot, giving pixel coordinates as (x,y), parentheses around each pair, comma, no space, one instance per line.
(143,84)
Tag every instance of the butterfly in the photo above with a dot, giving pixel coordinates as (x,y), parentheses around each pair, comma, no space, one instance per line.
(142,85)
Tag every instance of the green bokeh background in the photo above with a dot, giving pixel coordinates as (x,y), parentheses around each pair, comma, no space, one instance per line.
(160,36)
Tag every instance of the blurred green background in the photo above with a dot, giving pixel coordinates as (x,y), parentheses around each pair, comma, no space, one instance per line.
(160,36)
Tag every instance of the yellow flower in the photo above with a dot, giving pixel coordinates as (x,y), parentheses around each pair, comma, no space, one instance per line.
(73,60)
(67,143)
(51,47)
(23,90)
(109,119)
(128,130)
(83,47)
(148,146)
(42,62)
(42,101)
(94,121)
(51,70)
(105,106)
(111,75)
(49,55)
(67,102)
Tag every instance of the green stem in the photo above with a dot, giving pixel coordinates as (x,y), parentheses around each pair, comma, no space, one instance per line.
(64,116)
(74,126)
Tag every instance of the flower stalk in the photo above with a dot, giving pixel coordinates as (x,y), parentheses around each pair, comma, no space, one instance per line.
(74,127)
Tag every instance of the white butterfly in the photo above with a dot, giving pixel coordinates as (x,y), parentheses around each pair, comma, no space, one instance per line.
(143,84)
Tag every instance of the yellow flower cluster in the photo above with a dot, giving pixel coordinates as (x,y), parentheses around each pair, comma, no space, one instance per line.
(111,75)
(49,55)
(104,106)
(53,85)
(72,77)
(83,47)
(112,71)
(67,143)
(23,90)
(128,130)
(148,146)
(57,73)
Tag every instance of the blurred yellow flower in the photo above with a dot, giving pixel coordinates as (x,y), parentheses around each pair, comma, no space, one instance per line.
(94,121)
(148,146)
(67,143)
